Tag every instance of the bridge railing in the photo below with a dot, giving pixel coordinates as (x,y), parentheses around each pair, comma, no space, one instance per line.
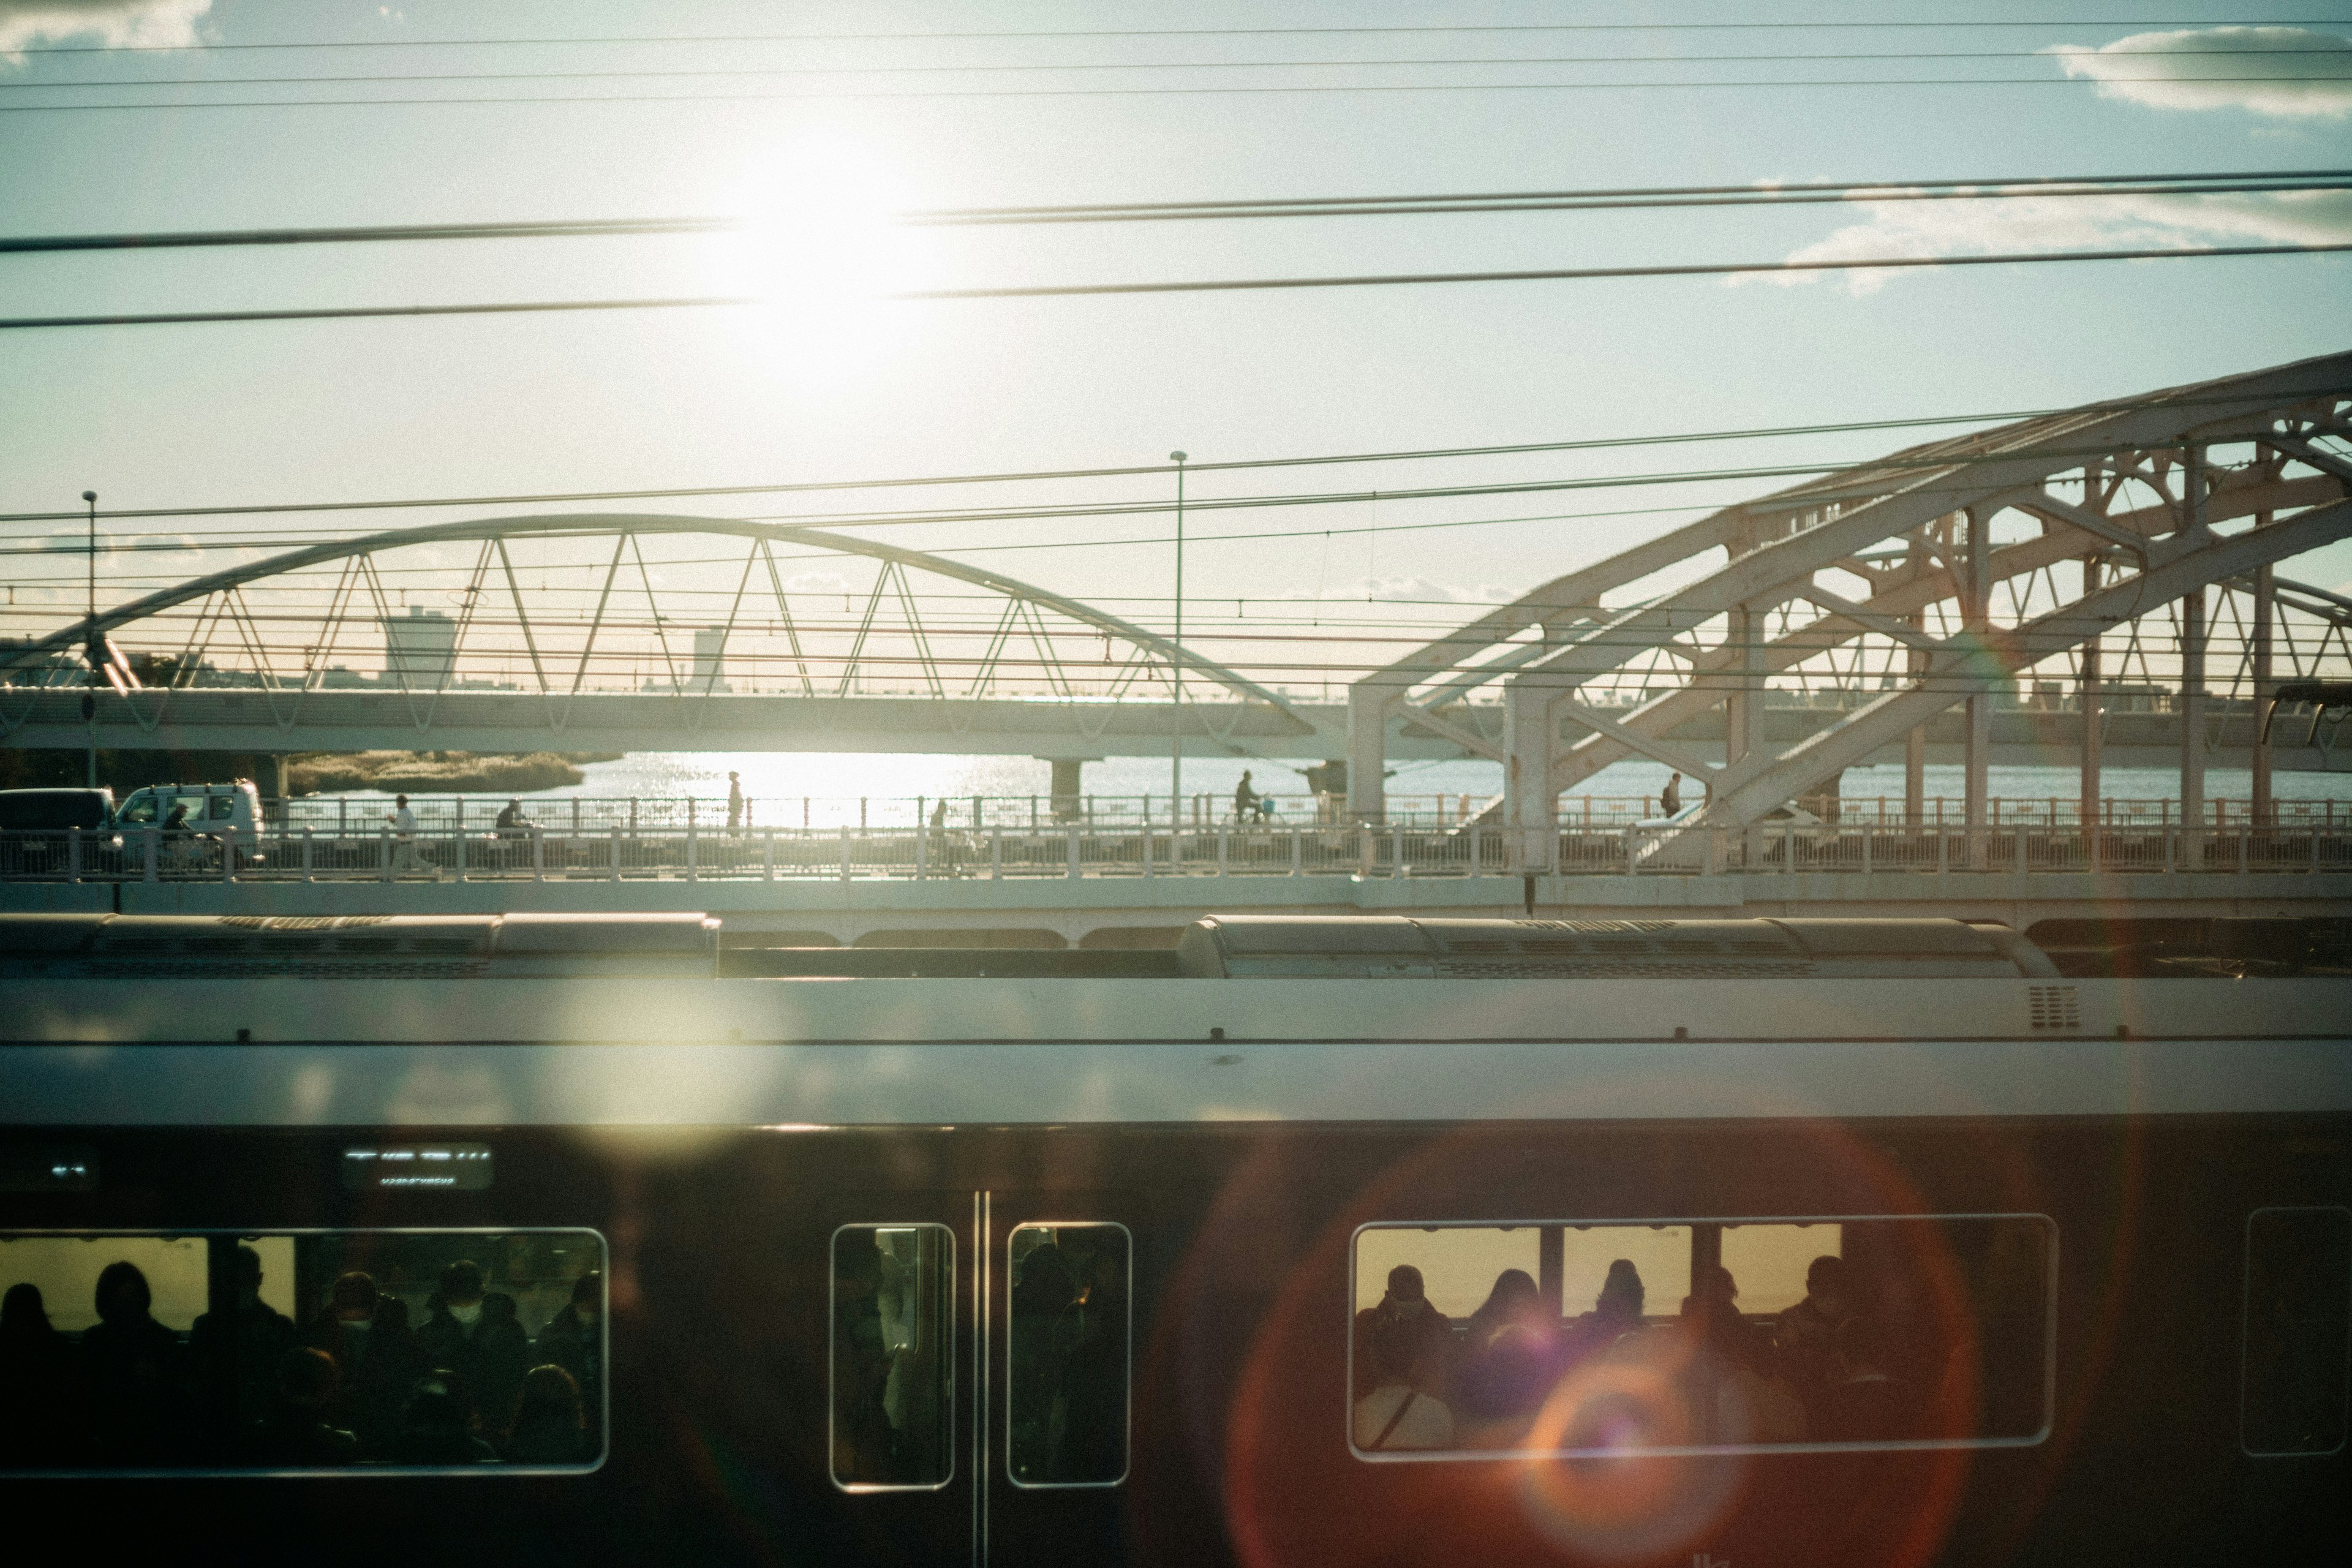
(1387,850)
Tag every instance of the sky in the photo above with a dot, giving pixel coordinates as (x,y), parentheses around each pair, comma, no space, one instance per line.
(853,387)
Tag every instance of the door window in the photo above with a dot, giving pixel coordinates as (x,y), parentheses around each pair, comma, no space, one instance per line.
(1066,1392)
(893,1394)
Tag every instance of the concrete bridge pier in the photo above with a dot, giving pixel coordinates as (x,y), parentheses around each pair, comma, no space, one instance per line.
(1069,789)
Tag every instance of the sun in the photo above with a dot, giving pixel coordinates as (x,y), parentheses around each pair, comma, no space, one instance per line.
(822,248)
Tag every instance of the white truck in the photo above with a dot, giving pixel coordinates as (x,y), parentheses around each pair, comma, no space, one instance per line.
(186,815)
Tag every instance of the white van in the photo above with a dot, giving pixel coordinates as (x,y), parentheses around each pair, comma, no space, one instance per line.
(225,812)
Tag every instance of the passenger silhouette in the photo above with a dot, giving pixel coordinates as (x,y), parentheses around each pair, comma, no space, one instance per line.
(1616,1313)
(1406,1300)
(449,1335)
(38,1418)
(863,1449)
(1043,1295)
(437,1428)
(574,1340)
(1094,1370)
(391,1367)
(297,1431)
(240,1348)
(1398,1412)
(133,1370)
(501,1356)
(549,1426)
(1510,1351)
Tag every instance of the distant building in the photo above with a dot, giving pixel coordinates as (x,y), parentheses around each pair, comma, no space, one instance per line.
(709,659)
(420,649)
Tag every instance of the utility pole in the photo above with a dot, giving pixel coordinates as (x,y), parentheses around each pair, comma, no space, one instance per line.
(1176,670)
(89,642)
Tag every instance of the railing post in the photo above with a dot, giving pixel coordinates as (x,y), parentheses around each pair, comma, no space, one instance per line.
(538,855)
(1865,849)
(996,854)
(1943,844)
(2017,856)
(383,854)
(310,862)
(923,843)
(2168,851)
(1298,851)
(1396,850)
(768,855)
(692,842)
(1476,867)
(2243,848)
(458,839)
(152,841)
(844,852)
(73,854)
(1633,853)
(1073,855)
(228,857)
(1222,849)
(616,852)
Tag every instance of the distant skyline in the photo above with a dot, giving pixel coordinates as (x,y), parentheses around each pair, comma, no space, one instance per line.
(287,411)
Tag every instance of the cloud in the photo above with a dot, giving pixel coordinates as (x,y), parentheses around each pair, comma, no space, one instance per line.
(2175,71)
(154,23)
(2035,224)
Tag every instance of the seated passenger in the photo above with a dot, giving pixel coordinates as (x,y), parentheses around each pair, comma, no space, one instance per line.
(1397,1413)
(549,1426)
(1040,1331)
(341,1330)
(575,1339)
(863,1443)
(1616,1313)
(1405,1301)
(242,1346)
(437,1428)
(37,1414)
(132,1374)
(1805,1336)
(1095,1370)
(297,1432)
(391,1366)
(1711,1318)
(1510,1352)
(502,1355)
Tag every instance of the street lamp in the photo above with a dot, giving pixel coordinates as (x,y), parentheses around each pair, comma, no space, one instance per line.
(1176,670)
(89,641)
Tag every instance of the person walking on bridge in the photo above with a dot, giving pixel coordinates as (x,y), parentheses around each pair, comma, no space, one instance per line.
(404,829)
(734,803)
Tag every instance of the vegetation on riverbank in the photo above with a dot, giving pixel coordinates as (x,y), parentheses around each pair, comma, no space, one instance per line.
(439,772)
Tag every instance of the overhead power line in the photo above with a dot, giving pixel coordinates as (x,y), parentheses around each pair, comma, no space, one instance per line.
(1801,192)
(1031,66)
(1808,83)
(2021,24)
(1201,285)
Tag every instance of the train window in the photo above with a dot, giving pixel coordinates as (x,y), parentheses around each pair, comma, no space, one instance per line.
(1613,1336)
(303,1351)
(1068,1382)
(893,1411)
(2298,1349)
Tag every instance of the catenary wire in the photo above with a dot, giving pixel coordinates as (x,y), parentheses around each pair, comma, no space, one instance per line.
(1060,92)
(1202,286)
(1795,193)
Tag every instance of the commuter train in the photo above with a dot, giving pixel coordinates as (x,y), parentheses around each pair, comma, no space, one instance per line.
(1310,1240)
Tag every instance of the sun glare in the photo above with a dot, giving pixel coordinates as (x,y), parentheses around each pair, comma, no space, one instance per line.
(820,247)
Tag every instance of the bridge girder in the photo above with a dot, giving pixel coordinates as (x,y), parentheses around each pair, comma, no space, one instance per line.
(1926,500)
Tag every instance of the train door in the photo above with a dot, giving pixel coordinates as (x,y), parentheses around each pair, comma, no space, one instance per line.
(904,1387)
(1065,1276)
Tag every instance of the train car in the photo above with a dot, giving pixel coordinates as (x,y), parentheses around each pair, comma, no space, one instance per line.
(1347,1241)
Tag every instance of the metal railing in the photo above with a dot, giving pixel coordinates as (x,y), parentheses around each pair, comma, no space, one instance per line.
(1387,850)
(348,817)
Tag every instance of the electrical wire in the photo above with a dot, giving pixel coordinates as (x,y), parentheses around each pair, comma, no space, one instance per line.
(674,73)
(1638,197)
(1202,286)
(963,93)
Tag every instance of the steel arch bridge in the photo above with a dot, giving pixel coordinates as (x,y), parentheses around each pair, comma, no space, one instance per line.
(2073,550)
(630,631)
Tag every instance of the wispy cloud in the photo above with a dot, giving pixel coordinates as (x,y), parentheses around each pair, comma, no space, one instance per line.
(2273,76)
(2035,224)
(158,23)
(1406,591)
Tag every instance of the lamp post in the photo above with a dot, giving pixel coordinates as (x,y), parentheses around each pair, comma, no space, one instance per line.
(89,642)
(1176,672)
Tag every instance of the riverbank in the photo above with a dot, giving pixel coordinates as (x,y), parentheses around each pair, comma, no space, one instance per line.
(440,772)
